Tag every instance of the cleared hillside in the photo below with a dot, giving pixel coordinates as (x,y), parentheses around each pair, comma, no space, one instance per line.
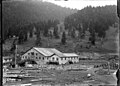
(112,38)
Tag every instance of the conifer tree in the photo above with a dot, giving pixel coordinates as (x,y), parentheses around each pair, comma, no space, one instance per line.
(56,32)
(38,40)
(63,40)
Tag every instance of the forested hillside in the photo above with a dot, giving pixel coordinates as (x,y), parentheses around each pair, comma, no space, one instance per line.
(17,14)
(96,19)
(118,8)
(20,17)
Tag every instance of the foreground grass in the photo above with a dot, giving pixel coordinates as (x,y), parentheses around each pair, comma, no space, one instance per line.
(61,77)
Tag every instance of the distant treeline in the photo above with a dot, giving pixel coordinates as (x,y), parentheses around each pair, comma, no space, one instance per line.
(118,8)
(97,19)
(19,18)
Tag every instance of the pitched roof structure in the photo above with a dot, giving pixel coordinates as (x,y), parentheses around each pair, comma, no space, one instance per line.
(7,57)
(57,52)
(44,51)
(49,51)
(70,55)
(53,51)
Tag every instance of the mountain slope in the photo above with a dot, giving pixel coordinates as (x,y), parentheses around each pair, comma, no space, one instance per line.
(19,13)
(112,36)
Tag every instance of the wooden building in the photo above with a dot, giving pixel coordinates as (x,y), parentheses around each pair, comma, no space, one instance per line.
(45,55)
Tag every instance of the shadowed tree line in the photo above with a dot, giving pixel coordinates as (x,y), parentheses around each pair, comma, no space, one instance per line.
(118,8)
(97,19)
(41,27)
(23,14)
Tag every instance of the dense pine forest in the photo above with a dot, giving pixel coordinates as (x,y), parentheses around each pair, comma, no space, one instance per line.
(96,19)
(24,14)
(58,27)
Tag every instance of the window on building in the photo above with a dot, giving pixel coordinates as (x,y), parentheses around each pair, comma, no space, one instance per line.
(36,58)
(28,53)
(5,59)
(32,53)
(43,58)
(26,57)
(39,57)
(61,58)
(53,58)
(57,59)
(36,54)
(65,58)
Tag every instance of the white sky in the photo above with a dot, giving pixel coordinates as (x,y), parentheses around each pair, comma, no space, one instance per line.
(79,4)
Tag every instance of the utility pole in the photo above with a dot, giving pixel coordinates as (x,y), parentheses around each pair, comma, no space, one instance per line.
(108,67)
(48,42)
(15,56)
(16,52)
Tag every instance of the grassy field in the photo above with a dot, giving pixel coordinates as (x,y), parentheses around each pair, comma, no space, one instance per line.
(55,43)
(51,77)
(63,78)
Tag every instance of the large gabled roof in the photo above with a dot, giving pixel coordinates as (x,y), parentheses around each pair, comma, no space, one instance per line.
(49,51)
(43,51)
(53,51)
(57,52)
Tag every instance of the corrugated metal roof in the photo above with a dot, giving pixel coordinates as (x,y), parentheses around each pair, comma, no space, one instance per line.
(49,51)
(55,51)
(44,51)
(6,57)
(70,54)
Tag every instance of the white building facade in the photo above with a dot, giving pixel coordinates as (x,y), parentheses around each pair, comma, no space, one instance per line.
(44,55)
(37,55)
(67,57)
(7,59)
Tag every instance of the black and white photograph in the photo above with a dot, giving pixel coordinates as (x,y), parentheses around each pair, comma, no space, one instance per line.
(60,42)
